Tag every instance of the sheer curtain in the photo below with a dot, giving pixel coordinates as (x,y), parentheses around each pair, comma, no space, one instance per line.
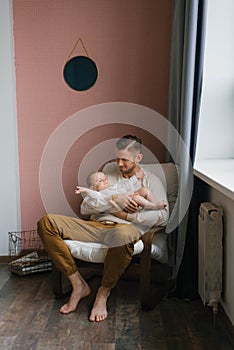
(187,51)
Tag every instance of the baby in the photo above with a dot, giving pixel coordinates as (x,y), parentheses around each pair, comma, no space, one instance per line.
(99,183)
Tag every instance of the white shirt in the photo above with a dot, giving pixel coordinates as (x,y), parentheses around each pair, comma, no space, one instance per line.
(100,207)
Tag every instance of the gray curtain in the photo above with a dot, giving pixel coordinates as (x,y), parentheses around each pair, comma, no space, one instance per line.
(187,51)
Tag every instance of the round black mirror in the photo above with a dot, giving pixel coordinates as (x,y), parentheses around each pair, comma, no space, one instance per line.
(80,73)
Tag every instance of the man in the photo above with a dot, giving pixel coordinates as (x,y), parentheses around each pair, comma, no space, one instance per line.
(118,229)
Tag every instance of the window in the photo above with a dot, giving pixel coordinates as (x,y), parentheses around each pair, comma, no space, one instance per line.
(215,146)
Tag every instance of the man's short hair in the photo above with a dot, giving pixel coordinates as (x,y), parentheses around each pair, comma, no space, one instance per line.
(130,143)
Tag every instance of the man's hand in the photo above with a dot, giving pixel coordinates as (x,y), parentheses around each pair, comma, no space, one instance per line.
(125,202)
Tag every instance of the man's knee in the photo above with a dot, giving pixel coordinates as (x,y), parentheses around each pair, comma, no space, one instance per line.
(45,226)
(127,234)
(43,221)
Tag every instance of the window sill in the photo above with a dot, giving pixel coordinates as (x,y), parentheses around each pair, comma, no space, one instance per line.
(218,173)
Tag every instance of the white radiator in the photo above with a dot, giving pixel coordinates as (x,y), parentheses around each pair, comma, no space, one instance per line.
(210,254)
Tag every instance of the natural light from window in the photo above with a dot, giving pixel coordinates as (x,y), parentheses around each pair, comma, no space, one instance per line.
(215,147)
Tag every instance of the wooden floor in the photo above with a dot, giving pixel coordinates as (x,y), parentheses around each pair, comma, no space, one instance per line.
(29,319)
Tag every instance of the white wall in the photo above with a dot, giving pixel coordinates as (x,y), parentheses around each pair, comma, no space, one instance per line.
(215,134)
(9,175)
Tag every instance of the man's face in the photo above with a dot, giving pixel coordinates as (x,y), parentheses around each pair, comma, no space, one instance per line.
(127,161)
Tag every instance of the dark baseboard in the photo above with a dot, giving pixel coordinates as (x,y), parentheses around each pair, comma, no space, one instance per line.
(4,259)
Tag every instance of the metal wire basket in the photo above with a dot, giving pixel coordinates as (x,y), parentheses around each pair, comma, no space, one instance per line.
(27,253)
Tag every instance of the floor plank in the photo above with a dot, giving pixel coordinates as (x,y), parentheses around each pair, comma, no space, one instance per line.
(29,319)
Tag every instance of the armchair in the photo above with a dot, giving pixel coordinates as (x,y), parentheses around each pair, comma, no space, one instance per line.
(154,254)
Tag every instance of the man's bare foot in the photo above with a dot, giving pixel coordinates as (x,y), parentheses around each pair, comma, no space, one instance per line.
(80,290)
(99,311)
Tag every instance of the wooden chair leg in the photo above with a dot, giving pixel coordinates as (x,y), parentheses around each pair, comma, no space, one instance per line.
(60,284)
(152,292)
(145,277)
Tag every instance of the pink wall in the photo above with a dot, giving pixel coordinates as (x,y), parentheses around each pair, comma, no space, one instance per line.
(130,42)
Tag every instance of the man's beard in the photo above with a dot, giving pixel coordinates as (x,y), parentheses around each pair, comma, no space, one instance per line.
(128,171)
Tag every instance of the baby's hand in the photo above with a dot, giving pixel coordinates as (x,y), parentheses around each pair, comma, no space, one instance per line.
(140,174)
(77,190)
(80,189)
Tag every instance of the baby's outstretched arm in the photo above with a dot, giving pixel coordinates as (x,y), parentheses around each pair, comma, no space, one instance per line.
(80,189)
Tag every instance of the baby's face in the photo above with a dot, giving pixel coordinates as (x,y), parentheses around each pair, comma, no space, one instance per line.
(100,181)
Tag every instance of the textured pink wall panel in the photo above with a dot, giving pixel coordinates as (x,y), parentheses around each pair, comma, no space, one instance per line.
(130,43)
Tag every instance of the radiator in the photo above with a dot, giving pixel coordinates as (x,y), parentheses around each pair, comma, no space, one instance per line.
(210,254)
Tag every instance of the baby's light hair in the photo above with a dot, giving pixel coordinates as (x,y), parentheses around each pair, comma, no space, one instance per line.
(90,178)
